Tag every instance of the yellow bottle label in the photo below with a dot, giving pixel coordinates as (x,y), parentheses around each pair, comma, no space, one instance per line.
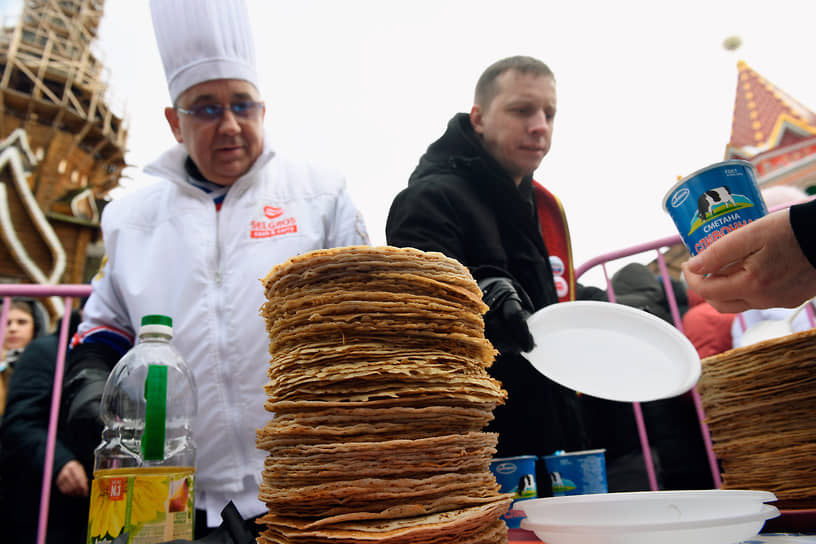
(142,505)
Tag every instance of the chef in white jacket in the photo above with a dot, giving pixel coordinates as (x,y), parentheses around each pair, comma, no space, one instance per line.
(194,245)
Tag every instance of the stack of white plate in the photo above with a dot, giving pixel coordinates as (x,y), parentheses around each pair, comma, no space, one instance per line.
(713,516)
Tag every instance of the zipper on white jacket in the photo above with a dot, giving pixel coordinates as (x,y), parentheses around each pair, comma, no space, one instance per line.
(227,379)
(217,247)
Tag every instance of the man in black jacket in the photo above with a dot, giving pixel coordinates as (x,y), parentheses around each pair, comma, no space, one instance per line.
(472,197)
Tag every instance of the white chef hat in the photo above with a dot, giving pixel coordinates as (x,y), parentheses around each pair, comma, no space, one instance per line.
(200,40)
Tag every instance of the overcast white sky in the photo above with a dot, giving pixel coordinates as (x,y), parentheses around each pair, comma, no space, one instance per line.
(645,90)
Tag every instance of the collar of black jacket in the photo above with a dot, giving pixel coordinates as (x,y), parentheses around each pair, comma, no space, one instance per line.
(460,146)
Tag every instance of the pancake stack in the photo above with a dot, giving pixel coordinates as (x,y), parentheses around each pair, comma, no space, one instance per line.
(760,402)
(379,390)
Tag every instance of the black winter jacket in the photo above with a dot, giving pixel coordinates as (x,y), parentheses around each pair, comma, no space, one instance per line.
(460,202)
(803,223)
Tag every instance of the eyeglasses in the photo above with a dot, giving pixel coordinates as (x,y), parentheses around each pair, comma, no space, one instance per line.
(214,112)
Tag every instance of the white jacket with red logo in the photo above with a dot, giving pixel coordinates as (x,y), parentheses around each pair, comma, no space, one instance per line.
(169,252)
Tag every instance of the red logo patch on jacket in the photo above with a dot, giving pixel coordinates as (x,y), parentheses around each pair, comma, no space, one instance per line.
(274,222)
(271,212)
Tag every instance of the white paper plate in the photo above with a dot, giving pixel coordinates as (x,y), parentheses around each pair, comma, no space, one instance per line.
(612,351)
(668,517)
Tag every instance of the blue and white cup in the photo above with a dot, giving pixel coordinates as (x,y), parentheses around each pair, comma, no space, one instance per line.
(515,475)
(713,201)
(577,472)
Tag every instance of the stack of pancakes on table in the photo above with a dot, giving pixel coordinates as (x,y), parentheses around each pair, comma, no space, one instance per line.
(379,390)
(760,402)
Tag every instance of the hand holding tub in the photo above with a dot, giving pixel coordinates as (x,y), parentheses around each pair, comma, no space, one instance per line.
(760,265)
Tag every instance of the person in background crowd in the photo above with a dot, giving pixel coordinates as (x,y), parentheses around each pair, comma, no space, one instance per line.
(707,329)
(472,197)
(637,286)
(770,262)
(23,436)
(193,246)
(27,319)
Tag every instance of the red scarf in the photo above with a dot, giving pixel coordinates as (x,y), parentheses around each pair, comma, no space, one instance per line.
(553,223)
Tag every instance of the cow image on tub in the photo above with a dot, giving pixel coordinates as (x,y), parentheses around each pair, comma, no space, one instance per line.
(712,197)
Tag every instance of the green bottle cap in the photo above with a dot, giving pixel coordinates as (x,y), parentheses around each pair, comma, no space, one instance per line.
(155,412)
(157,319)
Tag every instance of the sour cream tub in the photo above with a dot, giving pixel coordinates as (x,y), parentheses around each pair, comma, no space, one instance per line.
(713,201)
(515,475)
(577,472)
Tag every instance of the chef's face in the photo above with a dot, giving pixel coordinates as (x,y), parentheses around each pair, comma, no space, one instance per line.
(224,146)
(516,126)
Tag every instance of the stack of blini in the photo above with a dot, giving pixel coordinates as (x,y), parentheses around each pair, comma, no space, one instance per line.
(379,390)
(760,402)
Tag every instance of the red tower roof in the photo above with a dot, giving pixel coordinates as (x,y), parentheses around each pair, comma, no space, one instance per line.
(765,117)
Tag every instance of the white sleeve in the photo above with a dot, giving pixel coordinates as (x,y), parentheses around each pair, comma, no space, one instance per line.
(105,309)
(348,227)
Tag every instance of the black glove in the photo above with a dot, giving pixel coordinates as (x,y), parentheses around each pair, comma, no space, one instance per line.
(233,530)
(506,320)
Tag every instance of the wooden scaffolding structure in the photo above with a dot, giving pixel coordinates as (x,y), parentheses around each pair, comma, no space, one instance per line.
(69,145)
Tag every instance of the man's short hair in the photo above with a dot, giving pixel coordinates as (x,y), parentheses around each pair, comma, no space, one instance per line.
(486,86)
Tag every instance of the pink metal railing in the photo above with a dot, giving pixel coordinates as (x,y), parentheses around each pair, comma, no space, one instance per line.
(68,292)
(656,246)
(71,291)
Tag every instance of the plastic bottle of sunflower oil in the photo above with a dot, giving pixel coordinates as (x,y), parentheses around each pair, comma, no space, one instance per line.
(144,469)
